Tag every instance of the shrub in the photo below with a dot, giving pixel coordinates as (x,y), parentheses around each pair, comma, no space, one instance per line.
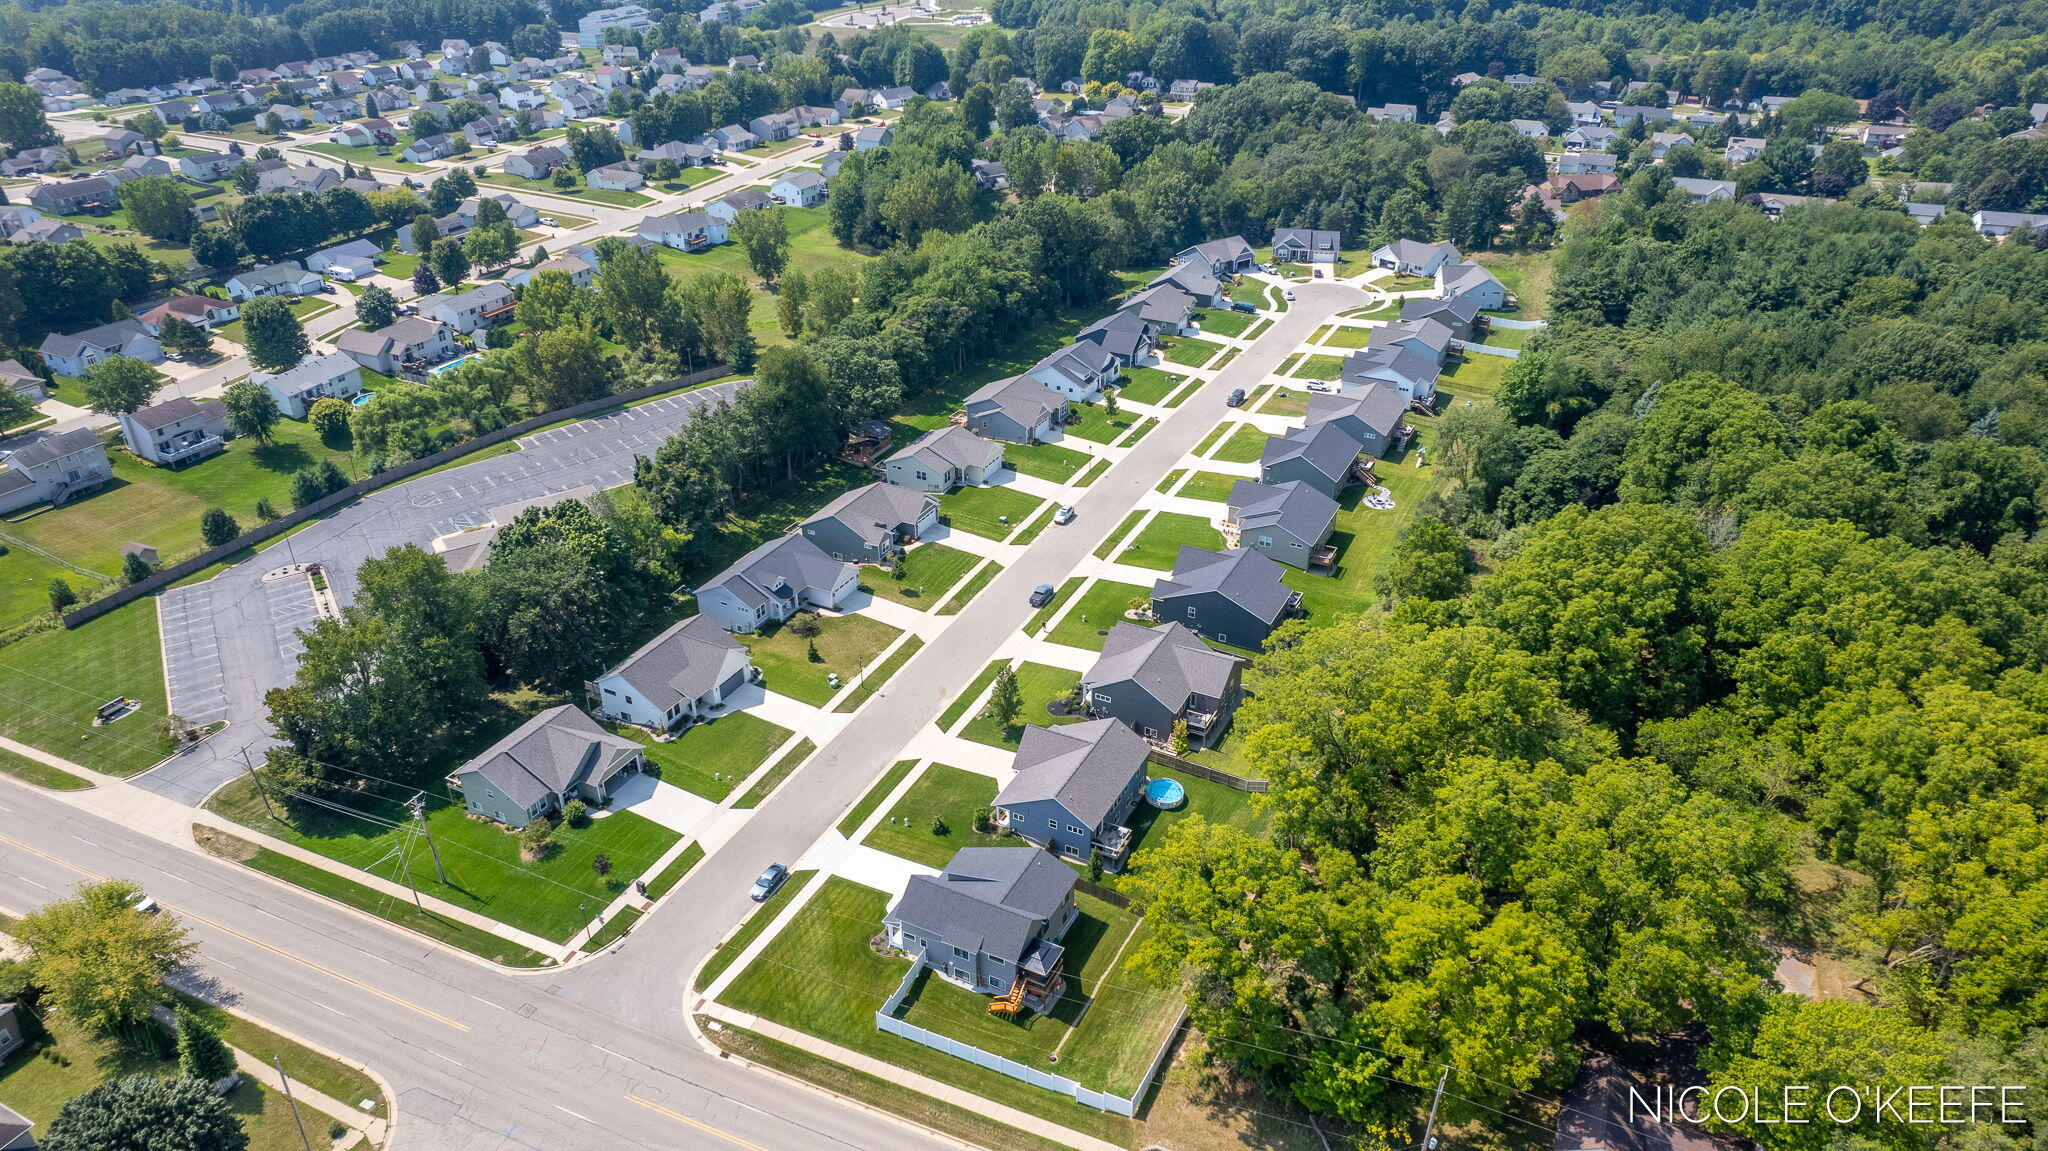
(575,813)
(329,418)
(939,826)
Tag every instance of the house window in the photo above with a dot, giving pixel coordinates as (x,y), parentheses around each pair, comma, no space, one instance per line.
(1053,823)
(1191,612)
(1070,849)
(1265,541)
(609,691)
(959,953)
(1098,697)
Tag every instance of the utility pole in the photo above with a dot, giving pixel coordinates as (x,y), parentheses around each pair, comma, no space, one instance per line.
(418,804)
(258,781)
(1429,1130)
(287,1081)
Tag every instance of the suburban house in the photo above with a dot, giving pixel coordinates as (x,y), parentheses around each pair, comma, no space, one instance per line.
(29,386)
(1393,113)
(206,167)
(1124,337)
(1153,677)
(873,136)
(1704,191)
(1075,789)
(872,524)
(536,163)
(620,177)
(1411,374)
(71,197)
(1423,337)
(800,189)
(1996,224)
(1590,138)
(1306,246)
(559,755)
(176,431)
(485,131)
(286,279)
(774,127)
(15,1128)
(782,577)
(1323,456)
(449,227)
(1019,410)
(1164,306)
(580,274)
(684,674)
(1473,282)
(1288,522)
(991,922)
(1232,597)
(941,460)
(1370,414)
(1415,258)
(428,148)
(53,468)
(335,375)
(518,213)
(1585,163)
(729,207)
(202,310)
(1458,313)
(411,342)
(11,1037)
(351,261)
(1225,257)
(468,311)
(1741,150)
(32,227)
(731,138)
(676,151)
(1194,278)
(685,231)
(1661,143)
(989,175)
(71,355)
(1078,371)
(135,166)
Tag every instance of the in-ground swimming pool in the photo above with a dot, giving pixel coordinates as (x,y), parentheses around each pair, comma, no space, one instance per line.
(1165,793)
(450,366)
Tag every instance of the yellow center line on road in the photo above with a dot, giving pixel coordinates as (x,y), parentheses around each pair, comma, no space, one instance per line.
(278,951)
(701,1126)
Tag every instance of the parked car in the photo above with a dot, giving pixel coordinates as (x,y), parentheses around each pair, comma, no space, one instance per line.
(549,221)
(1319,273)
(1041,595)
(1243,306)
(1321,386)
(817,142)
(1287,293)
(769,881)
(1235,398)
(141,901)
(1065,515)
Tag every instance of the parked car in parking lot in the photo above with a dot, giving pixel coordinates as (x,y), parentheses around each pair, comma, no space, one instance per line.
(769,881)
(1041,595)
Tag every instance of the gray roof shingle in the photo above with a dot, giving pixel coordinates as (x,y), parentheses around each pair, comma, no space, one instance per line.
(548,755)
(1240,575)
(1168,663)
(1084,767)
(994,900)
(681,664)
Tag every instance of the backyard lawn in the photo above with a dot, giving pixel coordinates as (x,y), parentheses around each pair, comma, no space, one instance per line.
(1209,486)
(1499,337)
(157,506)
(811,247)
(1473,378)
(1098,609)
(1214,802)
(983,510)
(1149,385)
(1095,423)
(1527,277)
(552,897)
(1040,685)
(52,683)
(1243,447)
(843,642)
(950,796)
(1045,461)
(1159,544)
(710,759)
(819,976)
(929,572)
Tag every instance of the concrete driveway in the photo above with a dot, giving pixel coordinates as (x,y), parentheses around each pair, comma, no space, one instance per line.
(664,803)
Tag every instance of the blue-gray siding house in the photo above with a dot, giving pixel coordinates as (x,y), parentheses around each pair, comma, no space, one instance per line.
(1150,678)
(1075,789)
(1232,597)
(991,922)
(872,524)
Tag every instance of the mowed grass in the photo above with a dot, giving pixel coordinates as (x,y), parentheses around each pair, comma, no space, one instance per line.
(1285,402)
(157,506)
(1345,337)
(966,698)
(1192,352)
(616,197)
(710,759)
(1215,802)
(929,572)
(773,777)
(1243,447)
(1039,685)
(751,928)
(1319,368)
(983,511)
(1100,607)
(304,307)
(1159,543)
(1045,461)
(37,773)
(952,798)
(843,642)
(552,897)
(872,680)
(1149,385)
(1222,323)
(1527,277)
(819,976)
(1209,486)
(53,682)
(866,805)
(1095,423)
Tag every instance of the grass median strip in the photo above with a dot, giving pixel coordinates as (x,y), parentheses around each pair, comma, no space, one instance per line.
(858,813)
(966,699)
(673,874)
(618,925)
(973,586)
(776,774)
(38,773)
(875,678)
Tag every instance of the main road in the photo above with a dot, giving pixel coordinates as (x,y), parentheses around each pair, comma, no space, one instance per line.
(597,1054)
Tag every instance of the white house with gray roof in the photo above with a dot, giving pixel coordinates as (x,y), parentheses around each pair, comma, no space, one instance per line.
(1079,371)
(872,524)
(335,375)
(1232,597)
(686,673)
(177,431)
(52,469)
(1289,522)
(73,354)
(1125,337)
(1075,789)
(559,755)
(1415,258)
(782,577)
(1306,245)
(285,279)
(1225,257)
(1151,678)
(939,461)
(1474,282)
(993,919)
(1371,414)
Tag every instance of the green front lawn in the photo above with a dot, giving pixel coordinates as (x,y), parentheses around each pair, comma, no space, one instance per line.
(1192,352)
(819,976)
(773,777)
(710,759)
(1148,385)
(1098,609)
(37,773)
(616,197)
(53,682)
(868,682)
(966,699)
(952,797)
(304,307)
(371,154)
(1209,486)
(971,588)
(1285,402)
(1095,423)
(1319,368)
(751,928)
(843,643)
(983,511)
(1219,322)
(1159,544)
(1244,446)
(1049,462)
(929,572)
(552,897)
(157,506)
(1040,685)
(1348,337)
(859,812)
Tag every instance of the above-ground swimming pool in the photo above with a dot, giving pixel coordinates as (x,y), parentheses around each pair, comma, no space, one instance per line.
(363,398)
(1165,793)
